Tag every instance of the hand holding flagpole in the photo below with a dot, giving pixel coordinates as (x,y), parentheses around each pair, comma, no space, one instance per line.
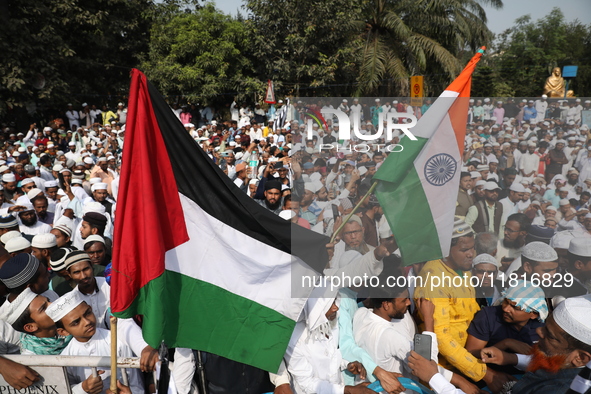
(114,355)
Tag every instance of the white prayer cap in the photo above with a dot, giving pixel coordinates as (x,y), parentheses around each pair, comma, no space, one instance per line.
(517,187)
(44,241)
(385,230)
(17,307)
(76,181)
(395,102)
(239,155)
(88,160)
(253,182)
(50,145)
(58,309)
(10,235)
(362,170)
(7,178)
(95,180)
(572,315)
(47,128)
(57,168)
(482,167)
(94,207)
(561,142)
(539,251)
(485,259)
(16,244)
(49,184)
(564,201)
(544,96)
(94,238)
(580,246)
(578,100)
(311,186)
(461,228)
(72,143)
(98,186)
(486,100)
(551,208)
(474,174)
(3,168)
(26,181)
(471,100)
(101,159)
(480,182)
(287,214)
(377,100)
(34,193)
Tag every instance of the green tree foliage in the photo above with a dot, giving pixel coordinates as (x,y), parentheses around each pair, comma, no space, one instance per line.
(201,54)
(61,49)
(305,44)
(527,53)
(416,37)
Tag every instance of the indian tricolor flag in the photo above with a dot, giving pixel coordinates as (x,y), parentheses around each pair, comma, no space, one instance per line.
(418,187)
(206,266)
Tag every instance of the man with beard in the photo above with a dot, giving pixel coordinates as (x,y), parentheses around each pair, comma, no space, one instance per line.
(564,347)
(557,159)
(313,356)
(40,204)
(511,323)
(100,195)
(353,238)
(30,225)
(486,215)
(572,179)
(464,199)
(9,186)
(514,238)
(272,201)
(478,191)
(42,247)
(455,307)
(509,203)
(369,218)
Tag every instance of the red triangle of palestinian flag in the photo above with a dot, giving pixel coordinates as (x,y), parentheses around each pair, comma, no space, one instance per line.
(206,266)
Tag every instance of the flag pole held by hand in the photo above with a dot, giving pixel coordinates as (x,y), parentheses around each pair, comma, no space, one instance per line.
(114,354)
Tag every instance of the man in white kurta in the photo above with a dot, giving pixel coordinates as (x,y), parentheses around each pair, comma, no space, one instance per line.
(73,316)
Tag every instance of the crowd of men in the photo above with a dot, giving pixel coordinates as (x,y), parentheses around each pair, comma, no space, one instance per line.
(522,228)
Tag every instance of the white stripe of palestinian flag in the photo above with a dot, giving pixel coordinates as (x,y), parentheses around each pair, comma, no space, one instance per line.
(233,261)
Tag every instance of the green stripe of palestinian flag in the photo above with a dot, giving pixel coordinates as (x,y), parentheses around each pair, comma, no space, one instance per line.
(206,266)
(186,318)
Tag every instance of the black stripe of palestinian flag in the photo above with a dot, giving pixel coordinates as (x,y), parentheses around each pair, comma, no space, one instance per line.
(207,267)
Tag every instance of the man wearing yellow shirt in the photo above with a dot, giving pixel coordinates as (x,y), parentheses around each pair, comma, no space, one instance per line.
(446,283)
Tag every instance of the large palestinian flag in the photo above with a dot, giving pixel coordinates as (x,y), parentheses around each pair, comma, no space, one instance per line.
(418,186)
(206,266)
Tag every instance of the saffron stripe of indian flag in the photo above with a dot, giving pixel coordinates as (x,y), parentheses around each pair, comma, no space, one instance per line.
(420,184)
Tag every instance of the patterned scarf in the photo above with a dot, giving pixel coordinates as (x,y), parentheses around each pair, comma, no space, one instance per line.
(44,346)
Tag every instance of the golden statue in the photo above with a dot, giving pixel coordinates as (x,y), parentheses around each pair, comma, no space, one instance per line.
(555,84)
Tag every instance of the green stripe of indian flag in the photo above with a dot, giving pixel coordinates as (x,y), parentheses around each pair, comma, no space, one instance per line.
(221,266)
(420,214)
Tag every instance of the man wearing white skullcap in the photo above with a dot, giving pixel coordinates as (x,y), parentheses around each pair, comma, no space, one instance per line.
(26,314)
(102,170)
(459,301)
(579,265)
(42,246)
(564,347)
(30,224)
(73,316)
